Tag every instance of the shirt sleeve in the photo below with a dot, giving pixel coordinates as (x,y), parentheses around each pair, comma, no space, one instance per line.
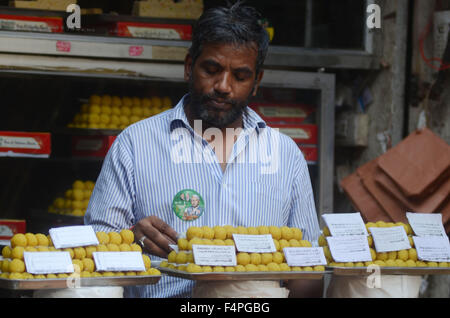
(303,212)
(111,205)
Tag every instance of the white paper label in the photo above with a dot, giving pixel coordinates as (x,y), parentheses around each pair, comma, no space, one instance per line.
(73,236)
(254,243)
(304,256)
(158,33)
(295,133)
(48,262)
(432,248)
(19,142)
(341,224)
(19,25)
(388,239)
(353,248)
(118,261)
(214,255)
(426,224)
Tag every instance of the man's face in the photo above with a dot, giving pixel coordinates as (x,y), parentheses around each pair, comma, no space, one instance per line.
(194,202)
(221,82)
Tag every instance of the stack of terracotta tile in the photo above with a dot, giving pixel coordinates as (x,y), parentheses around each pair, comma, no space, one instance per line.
(413,176)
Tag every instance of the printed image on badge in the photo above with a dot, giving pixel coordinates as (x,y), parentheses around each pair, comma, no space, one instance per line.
(188,205)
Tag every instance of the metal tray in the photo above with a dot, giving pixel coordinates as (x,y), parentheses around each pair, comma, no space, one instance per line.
(364,271)
(63,283)
(243,275)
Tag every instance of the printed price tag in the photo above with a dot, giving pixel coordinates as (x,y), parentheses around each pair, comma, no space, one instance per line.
(118,261)
(304,256)
(426,224)
(432,248)
(388,239)
(63,46)
(214,255)
(48,262)
(135,50)
(341,224)
(254,243)
(353,248)
(73,236)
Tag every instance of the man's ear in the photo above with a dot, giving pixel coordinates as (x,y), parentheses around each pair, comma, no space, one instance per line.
(187,67)
(257,82)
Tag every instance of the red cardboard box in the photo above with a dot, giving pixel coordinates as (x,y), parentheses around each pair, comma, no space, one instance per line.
(310,153)
(91,146)
(282,113)
(24,144)
(152,30)
(10,227)
(28,23)
(302,134)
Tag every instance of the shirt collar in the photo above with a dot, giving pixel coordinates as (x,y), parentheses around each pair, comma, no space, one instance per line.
(251,120)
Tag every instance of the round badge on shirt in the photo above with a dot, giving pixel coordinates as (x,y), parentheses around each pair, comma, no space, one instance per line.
(188,205)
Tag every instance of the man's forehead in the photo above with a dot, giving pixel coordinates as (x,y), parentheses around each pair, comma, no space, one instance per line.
(246,51)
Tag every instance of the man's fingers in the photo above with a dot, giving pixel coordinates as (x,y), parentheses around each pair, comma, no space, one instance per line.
(137,234)
(159,239)
(153,249)
(165,229)
(155,236)
(149,246)
(158,235)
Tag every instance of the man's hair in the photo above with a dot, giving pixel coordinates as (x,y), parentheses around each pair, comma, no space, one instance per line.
(235,24)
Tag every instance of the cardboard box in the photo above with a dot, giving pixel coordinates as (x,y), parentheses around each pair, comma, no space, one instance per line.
(445,211)
(151,30)
(282,113)
(413,176)
(10,227)
(56,5)
(310,153)
(393,207)
(91,146)
(432,203)
(419,164)
(29,23)
(362,200)
(24,144)
(181,9)
(302,134)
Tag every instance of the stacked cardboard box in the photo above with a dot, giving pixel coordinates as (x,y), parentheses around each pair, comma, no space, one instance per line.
(291,119)
(57,5)
(413,176)
(180,9)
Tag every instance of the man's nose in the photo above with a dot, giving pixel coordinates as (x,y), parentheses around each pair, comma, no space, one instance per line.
(223,83)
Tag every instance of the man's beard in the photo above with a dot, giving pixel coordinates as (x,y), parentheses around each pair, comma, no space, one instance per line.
(210,115)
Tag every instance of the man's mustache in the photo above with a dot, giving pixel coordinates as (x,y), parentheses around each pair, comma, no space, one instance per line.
(217,97)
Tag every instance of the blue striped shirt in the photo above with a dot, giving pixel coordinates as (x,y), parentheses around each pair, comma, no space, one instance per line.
(266,182)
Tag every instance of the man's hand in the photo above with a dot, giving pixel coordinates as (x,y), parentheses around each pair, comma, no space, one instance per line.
(158,235)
